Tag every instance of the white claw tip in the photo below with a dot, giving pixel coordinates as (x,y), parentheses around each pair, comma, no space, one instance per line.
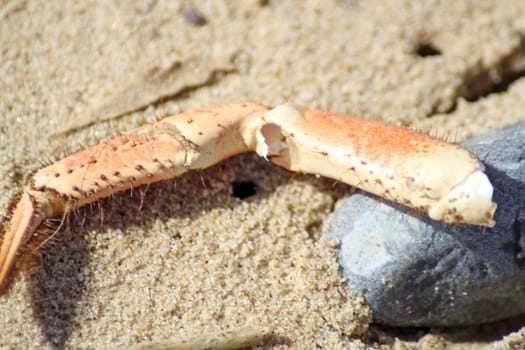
(468,202)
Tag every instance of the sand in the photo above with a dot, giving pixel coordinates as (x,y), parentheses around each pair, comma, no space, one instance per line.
(185,256)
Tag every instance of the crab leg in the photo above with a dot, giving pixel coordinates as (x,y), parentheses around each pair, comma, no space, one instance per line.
(441,179)
(192,140)
(392,162)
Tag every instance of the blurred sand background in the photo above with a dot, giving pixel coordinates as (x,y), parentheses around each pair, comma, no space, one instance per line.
(187,256)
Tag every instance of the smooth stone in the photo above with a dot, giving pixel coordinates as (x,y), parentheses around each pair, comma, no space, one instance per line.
(417,272)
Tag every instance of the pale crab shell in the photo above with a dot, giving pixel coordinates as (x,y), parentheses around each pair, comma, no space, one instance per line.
(410,168)
(439,178)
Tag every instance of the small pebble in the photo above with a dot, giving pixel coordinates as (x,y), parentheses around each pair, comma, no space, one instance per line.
(417,272)
(193,15)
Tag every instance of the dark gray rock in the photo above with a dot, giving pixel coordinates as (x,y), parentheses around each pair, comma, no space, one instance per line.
(417,272)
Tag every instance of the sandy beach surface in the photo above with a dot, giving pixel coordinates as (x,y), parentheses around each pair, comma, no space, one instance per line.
(187,256)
